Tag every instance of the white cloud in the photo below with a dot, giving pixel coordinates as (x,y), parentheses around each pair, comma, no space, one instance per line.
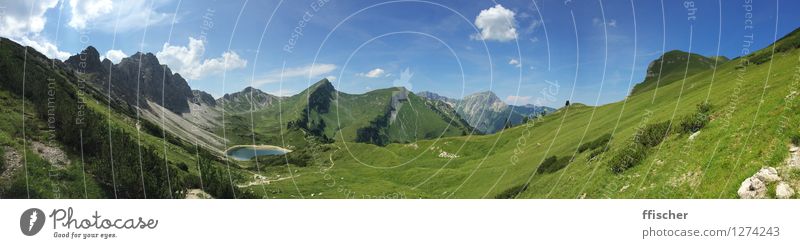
(374,73)
(86,10)
(496,23)
(120,16)
(515,63)
(597,22)
(282,92)
(45,47)
(518,100)
(115,55)
(331,78)
(23,22)
(21,18)
(533,26)
(189,62)
(310,71)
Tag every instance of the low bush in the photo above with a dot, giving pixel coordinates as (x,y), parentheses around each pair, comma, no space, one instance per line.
(697,120)
(512,192)
(652,134)
(628,157)
(597,152)
(693,123)
(553,164)
(594,144)
(183,166)
(636,150)
(796,139)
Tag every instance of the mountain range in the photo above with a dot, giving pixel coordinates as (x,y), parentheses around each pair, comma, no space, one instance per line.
(696,127)
(487,112)
(379,117)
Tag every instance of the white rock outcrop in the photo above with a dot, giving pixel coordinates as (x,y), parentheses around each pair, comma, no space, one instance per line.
(694,135)
(794,157)
(445,154)
(752,188)
(784,191)
(767,175)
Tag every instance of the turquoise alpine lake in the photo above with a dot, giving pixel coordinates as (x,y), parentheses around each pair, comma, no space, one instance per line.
(247,152)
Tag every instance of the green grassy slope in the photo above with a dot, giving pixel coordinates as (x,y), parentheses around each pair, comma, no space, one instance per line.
(420,119)
(750,127)
(672,66)
(750,124)
(323,112)
(785,44)
(111,154)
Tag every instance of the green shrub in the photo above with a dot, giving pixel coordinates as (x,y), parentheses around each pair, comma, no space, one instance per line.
(652,134)
(704,108)
(512,192)
(796,139)
(628,157)
(216,180)
(553,164)
(193,181)
(183,166)
(597,152)
(696,121)
(693,123)
(594,144)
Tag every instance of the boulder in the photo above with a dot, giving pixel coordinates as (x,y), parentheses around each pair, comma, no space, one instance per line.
(784,191)
(767,174)
(752,188)
(694,135)
(794,157)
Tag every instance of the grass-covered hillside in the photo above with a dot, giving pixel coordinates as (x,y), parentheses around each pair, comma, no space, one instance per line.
(673,66)
(699,138)
(392,115)
(699,134)
(63,138)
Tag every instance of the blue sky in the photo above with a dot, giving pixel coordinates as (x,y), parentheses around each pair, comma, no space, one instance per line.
(454,48)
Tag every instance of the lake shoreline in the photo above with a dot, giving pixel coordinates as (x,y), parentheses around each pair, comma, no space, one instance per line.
(228,151)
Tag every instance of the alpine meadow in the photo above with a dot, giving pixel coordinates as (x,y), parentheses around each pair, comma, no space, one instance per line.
(404,99)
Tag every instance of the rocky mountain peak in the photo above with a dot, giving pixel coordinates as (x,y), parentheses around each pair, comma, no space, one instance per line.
(323,84)
(248,99)
(141,77)
(88,61)
(486,98)
(203,98)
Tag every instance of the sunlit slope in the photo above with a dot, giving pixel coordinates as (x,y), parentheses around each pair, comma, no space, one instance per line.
(107,152)
(750,127)
(392,115)
(673,66)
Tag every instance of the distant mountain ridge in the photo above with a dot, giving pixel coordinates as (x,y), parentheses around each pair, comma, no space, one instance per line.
(486,111)
(248,99)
